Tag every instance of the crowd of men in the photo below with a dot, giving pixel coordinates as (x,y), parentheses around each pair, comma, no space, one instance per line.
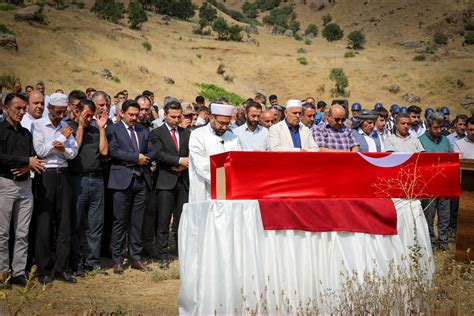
(85,175)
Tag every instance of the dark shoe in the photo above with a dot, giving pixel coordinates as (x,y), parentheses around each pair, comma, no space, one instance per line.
(164,264)
(80,273)
(118,268)
(20,280)
(139,265)
(65,277)
(44,279)
(5,281)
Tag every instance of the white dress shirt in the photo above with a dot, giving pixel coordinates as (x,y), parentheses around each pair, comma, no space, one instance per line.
(130,133)
(252,140)
(44,133)
(26,121)
(176,132)
(370,141)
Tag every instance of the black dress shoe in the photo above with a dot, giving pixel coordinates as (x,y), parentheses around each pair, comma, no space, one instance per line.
(65,277)
(164,264)
(44,279)
(20,280)
(80,273)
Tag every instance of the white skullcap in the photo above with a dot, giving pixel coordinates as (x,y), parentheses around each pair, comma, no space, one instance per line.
(293,103)
(222,109)
(58,99)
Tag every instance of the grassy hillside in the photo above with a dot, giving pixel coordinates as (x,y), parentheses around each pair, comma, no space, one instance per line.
(71,50)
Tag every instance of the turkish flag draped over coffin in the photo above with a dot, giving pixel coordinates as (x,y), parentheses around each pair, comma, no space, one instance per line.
(312,175)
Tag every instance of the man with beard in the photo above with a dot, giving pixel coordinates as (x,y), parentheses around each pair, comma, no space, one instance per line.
(34,110)
(433,141)
(290,134)
(54,143)
(416,126)
(460,129)
(88,185)
(251,135)
(145,111)
(333,135)
(211,139)
(309,112)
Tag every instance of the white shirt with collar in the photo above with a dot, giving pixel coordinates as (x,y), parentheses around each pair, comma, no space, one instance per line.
(176,131)
(44,133)
(27,120)
(252,140)
(130,133)
(370,141)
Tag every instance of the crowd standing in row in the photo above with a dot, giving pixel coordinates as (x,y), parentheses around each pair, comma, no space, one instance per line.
(123,168)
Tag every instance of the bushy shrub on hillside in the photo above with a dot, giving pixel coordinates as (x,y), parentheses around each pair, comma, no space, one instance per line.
(226,32)
(327,19)
(340,78)
(183,9)
(333,32)
(110,10)
(469,25)
(250,9)
(280,16)
(311,29)
(440,39)
(16,2)
(7,80)
(356,39)
(4,29)
(469,38)
(213,92)
(294,26)
(207,14)
(265,5)
(136,15)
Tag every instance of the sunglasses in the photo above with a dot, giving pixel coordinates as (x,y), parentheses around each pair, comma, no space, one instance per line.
(338,119)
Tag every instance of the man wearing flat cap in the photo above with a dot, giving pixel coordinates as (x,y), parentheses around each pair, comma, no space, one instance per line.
(291,134)
(55,144)
(211,139)
(363,131)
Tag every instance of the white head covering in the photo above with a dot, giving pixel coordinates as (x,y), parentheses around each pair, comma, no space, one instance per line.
(222,109)
(58,99)
(293,103)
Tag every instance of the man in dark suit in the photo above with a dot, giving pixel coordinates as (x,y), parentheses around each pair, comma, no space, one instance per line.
(130,179)
(171,143)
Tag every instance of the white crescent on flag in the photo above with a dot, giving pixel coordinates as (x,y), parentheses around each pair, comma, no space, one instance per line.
(392,160)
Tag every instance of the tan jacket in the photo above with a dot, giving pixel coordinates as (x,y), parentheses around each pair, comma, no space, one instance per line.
(279,138)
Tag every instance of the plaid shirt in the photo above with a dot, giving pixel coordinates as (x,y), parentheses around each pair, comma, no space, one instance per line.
(327,137)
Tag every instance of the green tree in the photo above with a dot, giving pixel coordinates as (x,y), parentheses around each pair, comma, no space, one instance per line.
(356,39)
(235,33)
(280,16)
(250,9)
(136,15)
(327,19)
(207,13)
(294,26)
(183,9)
(110,10)
(440,39)
(333,32)
(311,29)
(222,28)
(339,77)
(469,38)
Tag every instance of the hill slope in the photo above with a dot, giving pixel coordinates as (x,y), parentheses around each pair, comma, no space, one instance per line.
(71,50)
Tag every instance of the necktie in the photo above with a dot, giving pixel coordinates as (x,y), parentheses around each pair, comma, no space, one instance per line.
(134,138)
(137,170)
(175,139)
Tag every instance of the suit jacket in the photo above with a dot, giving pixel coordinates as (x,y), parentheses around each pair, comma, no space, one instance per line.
(168,156)
(279,138)
(122,152)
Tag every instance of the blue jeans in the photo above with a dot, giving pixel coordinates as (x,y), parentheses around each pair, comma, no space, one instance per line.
(88,200)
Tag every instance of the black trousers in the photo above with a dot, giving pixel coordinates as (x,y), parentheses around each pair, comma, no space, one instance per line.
(169,202)
(129,207)
(53,215)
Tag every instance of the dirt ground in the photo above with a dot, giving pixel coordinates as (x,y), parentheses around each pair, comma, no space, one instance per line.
(134,292)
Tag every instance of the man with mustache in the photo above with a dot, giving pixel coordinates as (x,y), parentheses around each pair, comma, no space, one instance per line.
(211,139)
(54,143)
(35,109)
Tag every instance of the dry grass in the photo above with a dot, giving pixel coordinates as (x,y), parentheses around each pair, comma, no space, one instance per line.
(76,39)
